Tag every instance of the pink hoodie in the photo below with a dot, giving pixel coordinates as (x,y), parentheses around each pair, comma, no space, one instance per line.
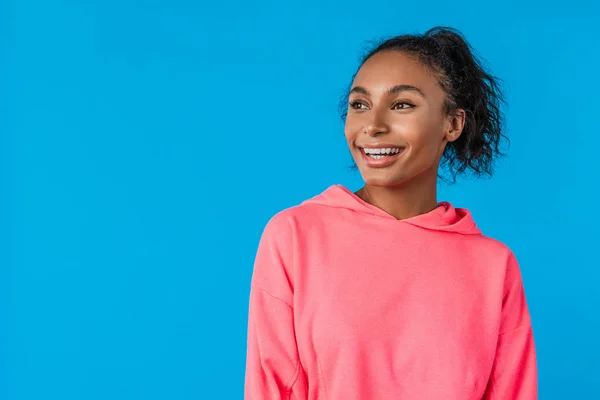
(348,303)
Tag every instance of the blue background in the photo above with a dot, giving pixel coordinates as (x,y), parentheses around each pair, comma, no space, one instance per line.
(145,144)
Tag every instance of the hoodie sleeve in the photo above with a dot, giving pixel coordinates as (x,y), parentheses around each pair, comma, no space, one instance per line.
(273,369)
(514,373)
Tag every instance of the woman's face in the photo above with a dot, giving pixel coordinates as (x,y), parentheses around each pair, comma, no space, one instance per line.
(396,127)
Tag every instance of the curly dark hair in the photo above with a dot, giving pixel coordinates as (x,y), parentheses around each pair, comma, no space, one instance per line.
(468,86)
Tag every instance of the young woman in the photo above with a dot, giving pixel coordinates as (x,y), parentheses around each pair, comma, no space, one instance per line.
(387,293)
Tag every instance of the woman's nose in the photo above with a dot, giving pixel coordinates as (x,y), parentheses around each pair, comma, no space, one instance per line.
(376,125)
(376,128)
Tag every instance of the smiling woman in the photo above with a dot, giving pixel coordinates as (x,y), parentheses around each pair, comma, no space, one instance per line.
(388,292)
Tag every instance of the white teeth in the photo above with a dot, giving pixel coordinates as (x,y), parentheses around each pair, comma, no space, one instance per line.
(371,152)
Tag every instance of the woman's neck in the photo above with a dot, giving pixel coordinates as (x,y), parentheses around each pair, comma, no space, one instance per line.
(402,201)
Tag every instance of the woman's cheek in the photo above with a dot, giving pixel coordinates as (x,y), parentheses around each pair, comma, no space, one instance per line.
(351,128)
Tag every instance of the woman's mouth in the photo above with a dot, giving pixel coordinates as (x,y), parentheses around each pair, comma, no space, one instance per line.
(381,156)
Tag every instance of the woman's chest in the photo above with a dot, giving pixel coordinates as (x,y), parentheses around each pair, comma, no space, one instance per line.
(417,316)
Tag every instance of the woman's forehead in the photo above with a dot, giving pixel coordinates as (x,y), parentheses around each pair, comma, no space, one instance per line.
(392,68)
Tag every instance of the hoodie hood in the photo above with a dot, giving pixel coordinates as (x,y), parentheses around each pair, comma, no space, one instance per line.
(445,217)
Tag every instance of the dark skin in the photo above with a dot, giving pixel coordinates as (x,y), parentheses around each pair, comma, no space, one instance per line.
(412,118)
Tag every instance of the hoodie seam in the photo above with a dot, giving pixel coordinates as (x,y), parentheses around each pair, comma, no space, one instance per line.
(293,380)
(524,324)
(290,385)
(273,296)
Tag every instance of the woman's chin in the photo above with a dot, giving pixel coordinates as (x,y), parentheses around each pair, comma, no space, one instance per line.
(383,180)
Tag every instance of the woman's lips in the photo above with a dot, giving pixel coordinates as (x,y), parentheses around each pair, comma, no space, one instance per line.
(380,160)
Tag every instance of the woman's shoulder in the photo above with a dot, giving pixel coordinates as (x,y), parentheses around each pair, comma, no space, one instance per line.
(495,251)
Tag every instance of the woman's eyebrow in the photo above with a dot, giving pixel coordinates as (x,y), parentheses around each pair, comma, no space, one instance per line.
(393,90)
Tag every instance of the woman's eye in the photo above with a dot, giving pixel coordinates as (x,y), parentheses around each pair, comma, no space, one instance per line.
(408,105)
(357,105)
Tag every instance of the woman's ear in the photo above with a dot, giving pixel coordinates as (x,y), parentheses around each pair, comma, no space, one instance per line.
(456,125)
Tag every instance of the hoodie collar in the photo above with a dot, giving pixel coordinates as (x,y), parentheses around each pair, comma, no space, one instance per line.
(445,217)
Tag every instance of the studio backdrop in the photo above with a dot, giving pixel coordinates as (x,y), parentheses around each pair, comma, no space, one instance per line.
(145,145)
